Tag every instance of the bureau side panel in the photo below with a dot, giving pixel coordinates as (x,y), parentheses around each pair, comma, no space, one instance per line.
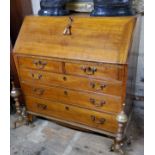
(132,65)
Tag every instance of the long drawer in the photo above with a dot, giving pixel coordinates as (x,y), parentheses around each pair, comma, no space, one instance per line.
(96,70)
(90,118)
(73,82)
(86,100)
(40,64)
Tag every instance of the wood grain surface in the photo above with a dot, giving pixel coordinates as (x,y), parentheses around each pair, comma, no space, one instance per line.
(107,41)
(93,101)
(102,121)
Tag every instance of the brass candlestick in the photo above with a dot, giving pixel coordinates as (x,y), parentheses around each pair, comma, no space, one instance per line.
(119,139)
(20,111)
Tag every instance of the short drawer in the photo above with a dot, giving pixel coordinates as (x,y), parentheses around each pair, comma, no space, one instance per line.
(94,70)
(40,64)
(70,113)
(86,100)
(72,82)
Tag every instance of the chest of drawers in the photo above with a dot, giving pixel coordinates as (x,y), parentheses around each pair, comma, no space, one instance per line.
(79,77)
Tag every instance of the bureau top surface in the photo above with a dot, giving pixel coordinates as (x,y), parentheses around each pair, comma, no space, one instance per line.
(97,39)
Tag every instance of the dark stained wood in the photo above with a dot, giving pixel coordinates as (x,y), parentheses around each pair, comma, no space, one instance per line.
(18,10)
(13,70)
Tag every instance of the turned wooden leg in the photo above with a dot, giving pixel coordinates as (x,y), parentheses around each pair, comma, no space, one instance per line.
(119,139)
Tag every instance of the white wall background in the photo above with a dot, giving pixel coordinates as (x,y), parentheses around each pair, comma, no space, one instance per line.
(35,6)
(140,65)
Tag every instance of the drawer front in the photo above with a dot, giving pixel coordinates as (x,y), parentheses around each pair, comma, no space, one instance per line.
(90,118)
(40,64)
(86,100)
(99,71)
(72,82)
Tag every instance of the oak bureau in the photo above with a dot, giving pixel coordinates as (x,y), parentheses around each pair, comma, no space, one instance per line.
(75,70)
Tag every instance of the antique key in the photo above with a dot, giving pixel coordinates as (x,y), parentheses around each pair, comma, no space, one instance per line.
(67,30)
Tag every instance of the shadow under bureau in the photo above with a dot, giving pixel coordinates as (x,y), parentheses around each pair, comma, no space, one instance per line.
(75,70)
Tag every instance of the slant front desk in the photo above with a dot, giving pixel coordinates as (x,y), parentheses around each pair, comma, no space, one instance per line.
(75,70)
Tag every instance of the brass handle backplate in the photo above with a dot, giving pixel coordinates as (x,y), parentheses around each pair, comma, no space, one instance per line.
(36,76)
(42,106)
(38,91)
(97,104)
(97,120)
(40,64)
(67,30)
(97,86)
(89,70)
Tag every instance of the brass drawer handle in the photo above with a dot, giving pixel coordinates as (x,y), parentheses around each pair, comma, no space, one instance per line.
(97,86)
(38,91)
(36,76)
(40,64)
(97,120)
(89,70)
(42,106)
(100,104)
